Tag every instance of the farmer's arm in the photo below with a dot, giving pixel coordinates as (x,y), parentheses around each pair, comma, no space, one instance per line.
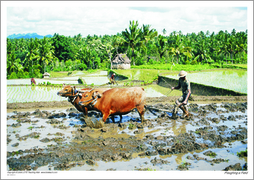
(178,86)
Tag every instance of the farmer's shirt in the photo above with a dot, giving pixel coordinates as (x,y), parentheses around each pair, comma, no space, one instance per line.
(185,84)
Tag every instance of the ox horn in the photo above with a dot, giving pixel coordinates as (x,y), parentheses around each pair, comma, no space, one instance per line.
(91,90)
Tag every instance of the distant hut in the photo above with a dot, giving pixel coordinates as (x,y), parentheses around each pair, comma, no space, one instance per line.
(121,61)
(46,75)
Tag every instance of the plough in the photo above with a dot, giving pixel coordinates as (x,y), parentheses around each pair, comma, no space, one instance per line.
(187,114)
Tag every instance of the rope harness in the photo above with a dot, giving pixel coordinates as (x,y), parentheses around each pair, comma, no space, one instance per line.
(75,93)
(72,95)
(93,101)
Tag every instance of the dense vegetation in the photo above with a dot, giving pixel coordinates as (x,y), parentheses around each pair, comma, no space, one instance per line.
(32,57)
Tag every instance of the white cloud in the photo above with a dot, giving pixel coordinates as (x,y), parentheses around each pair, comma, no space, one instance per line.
(111,18)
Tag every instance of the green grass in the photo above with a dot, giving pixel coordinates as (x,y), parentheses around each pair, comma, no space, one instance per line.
(146,75)
(165,90)
(58,74)
(231,66)
(176,67)
(150,73)
(65,73)
(244,66)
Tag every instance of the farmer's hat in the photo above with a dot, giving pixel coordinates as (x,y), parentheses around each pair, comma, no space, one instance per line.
(182,74)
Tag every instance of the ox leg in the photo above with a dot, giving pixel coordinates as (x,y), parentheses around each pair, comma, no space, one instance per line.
(105,117)
(141,111)
(113,118)
(85,112)
(121,118)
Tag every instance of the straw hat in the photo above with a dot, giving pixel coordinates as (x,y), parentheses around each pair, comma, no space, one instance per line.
(182,74)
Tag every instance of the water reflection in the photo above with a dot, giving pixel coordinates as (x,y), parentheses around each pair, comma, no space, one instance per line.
(32,88)
(179,158)
(178,128)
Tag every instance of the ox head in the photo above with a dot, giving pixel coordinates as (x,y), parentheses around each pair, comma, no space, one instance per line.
(89,96)
(67,91)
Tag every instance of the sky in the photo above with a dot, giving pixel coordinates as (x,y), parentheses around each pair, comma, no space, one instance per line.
(100,18)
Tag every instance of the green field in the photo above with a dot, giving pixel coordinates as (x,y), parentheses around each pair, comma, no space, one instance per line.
(176,67)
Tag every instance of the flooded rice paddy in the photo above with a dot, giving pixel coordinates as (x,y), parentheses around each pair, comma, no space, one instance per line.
(39,94)
(97,78)
(32,94)
(58,140)
(229,79)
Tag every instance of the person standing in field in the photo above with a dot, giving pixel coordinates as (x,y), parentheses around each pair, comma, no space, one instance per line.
(33,81)
(181,103)
(112,78)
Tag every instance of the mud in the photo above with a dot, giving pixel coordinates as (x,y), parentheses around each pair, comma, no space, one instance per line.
(59,139)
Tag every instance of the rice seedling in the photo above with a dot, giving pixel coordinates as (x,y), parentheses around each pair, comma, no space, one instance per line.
(242,153)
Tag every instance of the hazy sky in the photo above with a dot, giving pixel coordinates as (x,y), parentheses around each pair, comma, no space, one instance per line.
(100,18)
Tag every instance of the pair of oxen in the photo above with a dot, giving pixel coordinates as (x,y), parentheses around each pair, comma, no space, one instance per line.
(110,102)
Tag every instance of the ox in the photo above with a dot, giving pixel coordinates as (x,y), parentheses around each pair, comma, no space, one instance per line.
(75,95)
(116,101)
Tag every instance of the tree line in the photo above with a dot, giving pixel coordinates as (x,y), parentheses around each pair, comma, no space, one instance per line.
(142,44)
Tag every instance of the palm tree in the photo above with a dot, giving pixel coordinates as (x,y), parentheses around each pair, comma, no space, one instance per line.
(33,53)
(161,45)
(117,41)
(132,37)
(46,52)
(241,43)
(231,47)
(109,48)
(11,63)
(177,48)
(164,31)
(202,52)
(147,34)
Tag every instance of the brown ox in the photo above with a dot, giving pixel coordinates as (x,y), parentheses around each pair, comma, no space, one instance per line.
(75,95)
(116,101)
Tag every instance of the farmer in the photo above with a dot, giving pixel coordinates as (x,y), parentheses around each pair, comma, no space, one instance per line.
(33,81)
(112,79)
(186,90)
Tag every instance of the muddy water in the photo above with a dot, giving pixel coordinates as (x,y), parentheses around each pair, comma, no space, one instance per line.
(51,140)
